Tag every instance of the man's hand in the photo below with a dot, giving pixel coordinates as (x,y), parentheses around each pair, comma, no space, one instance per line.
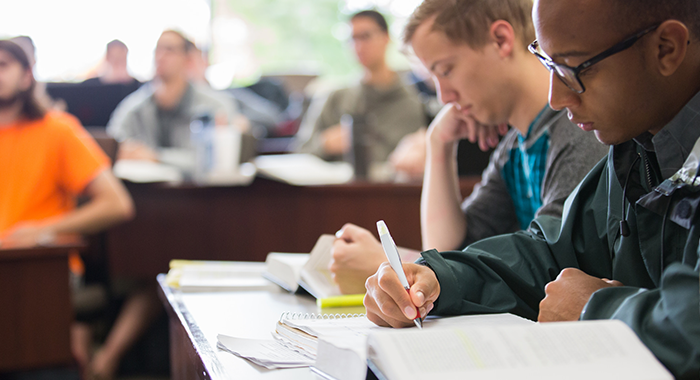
(568,294)
(29,234)
(336,140)
(356,255)
(451,125)
(135,150)
(409,155)
(388,303)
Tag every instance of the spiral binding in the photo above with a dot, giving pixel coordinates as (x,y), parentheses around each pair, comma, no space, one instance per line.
(292,315)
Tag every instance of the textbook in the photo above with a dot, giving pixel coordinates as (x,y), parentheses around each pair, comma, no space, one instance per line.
(310,272)
(605,349)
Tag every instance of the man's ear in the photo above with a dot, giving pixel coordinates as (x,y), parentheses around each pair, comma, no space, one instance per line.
(501,33)
(670,46)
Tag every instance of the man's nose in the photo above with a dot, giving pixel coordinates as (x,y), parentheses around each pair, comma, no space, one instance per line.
(560,95)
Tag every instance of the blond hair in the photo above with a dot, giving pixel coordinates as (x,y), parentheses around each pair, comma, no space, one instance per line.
(468,21)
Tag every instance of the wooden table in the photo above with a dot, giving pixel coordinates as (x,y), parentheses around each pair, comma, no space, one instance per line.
(37,310)
(246,223)
(197,318)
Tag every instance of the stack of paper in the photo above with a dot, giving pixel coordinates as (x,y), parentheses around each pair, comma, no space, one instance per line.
(207,276)
(265,353)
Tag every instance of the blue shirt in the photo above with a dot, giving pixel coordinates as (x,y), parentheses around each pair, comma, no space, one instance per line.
(524,172)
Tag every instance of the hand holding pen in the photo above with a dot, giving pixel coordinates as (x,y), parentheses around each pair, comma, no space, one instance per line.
(387,301)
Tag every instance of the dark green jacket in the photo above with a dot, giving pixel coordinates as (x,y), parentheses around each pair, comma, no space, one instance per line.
(661,298)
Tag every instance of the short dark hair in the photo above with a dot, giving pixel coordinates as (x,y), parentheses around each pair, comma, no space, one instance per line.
(187,44)
(375,16)
(636,14)
(31,107)
(116,44)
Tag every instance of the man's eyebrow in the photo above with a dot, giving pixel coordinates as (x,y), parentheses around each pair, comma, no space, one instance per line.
(439,61)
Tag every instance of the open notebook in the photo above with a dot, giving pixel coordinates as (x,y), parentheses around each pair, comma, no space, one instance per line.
(606,349)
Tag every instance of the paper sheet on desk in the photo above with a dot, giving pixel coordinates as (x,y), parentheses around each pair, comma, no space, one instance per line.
(141,171)
(263,352)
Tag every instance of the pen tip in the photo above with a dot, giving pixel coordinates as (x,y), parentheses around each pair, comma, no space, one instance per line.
(419,323)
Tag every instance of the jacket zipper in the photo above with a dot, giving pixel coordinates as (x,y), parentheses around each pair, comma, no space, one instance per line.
(647,172)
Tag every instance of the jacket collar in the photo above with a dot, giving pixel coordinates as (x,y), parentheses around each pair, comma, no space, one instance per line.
(672,145)
(676,140)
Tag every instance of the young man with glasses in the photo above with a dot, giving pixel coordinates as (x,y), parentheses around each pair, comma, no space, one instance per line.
(627,246)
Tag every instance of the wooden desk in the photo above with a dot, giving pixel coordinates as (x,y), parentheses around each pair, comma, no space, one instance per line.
(246,223)
(37,310)
(197,318)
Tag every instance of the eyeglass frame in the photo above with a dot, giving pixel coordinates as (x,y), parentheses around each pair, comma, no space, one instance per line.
(620,46)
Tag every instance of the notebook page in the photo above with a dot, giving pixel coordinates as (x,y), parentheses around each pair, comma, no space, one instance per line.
(580,350)
(329,327)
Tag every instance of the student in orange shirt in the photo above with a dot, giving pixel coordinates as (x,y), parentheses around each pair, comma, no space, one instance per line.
(46,160)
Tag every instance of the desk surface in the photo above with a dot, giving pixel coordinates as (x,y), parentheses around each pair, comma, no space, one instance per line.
(243,314)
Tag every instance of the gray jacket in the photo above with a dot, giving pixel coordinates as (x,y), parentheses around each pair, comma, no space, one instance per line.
(137,117)
(572,153)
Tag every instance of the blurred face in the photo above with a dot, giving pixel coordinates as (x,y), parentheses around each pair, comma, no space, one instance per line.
(618,102)
(467,78)
(171,57)
(14,79)
(369,41)
(117,55)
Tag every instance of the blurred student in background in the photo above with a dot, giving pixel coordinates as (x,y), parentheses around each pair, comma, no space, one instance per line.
(477,54)
(27,45)
(158,115)
(48,160)
(114,68)
(390,108)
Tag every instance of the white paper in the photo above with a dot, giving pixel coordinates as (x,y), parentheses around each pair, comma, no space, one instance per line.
(141,171)
(303,169)
(268,353)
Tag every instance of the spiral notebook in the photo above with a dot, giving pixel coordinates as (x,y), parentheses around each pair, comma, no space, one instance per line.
(301,331)
(296,339)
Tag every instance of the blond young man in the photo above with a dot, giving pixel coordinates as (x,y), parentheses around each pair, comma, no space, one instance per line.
(477,54)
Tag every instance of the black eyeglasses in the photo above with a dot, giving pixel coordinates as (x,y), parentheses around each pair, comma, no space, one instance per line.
(569,75)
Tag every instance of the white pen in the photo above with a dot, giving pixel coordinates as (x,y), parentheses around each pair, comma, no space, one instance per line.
(392,253)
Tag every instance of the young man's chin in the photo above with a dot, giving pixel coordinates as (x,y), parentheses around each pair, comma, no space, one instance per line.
(607,139)
(9,101)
